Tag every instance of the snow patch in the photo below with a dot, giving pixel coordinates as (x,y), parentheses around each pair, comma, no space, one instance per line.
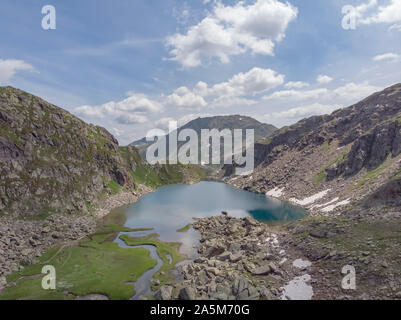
(311,199)
(275,193)
(325,204)
(338,204)
(298,289)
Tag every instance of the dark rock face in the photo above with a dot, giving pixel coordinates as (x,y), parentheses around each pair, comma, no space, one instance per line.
(50,161)
(370,150)
(388,195)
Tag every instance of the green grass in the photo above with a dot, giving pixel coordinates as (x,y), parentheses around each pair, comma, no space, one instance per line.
(164,249)
(114,187)
(321,175)
(326,145)
(5,131)
(372,174)
(186,228)
(266,141)
(95,265)
(319,178)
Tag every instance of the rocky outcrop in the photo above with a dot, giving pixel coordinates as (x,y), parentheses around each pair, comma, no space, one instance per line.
(370,150)
(238,260)
(389,195)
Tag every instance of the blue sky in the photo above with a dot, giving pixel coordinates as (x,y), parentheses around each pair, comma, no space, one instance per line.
(134,65)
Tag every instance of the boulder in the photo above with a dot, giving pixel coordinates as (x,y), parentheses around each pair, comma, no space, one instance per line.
(236,257)
(262,270)
(164,293)
(224,256)
(187,293)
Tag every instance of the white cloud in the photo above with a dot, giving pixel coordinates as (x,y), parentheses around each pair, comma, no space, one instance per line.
(226,94)
(182,98)
(233,30)
(388,13)
(131,119)
(128,111)
(231,102)
(253,82)
(324,79)
(396,27)
(117,132)
(352,92)
(302,112)
(8,68)
(163,123)
(296,85)
(296,95)
(320,101)
(387,56)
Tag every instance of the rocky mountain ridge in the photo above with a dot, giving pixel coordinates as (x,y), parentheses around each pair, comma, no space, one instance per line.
(327,162)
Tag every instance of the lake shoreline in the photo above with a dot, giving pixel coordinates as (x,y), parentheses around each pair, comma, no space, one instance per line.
(116,202)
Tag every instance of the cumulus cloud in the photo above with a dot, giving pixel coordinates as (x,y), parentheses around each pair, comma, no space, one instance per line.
(250,83)
(183,98)
(131,119)
(321,101)
(324,79)
(117,132)
(296,85)
(387,56)
(371,13)
(352,92)
(228,93)
(231,102)
(296,95)
(8,68)
(128,111)
(302,112)
(233,30)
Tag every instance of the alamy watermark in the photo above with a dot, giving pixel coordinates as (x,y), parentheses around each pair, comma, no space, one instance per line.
(49,20)
(349,281)
(197,151)
(49,280)
(349,19)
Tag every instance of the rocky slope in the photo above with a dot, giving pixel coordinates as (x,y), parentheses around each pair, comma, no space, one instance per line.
(52,161)
(327,162)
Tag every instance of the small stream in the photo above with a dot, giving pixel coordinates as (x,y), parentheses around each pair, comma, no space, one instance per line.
(143,286)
